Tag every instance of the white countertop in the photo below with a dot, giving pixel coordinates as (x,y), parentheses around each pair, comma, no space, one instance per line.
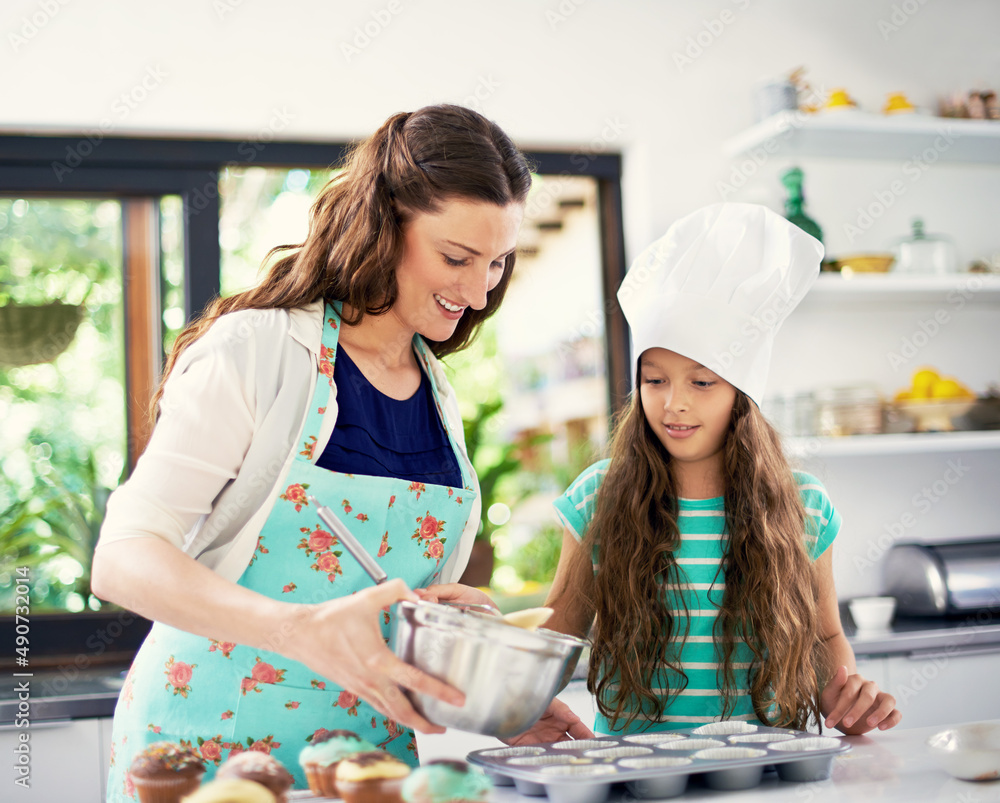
(890,767)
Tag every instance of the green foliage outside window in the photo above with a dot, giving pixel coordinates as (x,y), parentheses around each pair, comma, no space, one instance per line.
(62,445)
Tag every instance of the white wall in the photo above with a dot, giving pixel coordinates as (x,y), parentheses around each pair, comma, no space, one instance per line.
(621,75)
(569,73)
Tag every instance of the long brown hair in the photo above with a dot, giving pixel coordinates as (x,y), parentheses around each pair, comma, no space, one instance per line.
(770,597)
(415,161)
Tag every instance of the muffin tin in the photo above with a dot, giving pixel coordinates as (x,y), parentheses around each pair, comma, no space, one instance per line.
(728,755)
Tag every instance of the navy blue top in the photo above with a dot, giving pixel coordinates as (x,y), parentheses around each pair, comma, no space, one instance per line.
(384,437)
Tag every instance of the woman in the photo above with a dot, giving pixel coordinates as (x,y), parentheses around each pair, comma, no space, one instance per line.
(322,381)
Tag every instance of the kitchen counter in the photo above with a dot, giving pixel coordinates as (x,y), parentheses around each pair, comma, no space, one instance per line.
(65,693)
(889,766)
(916,634)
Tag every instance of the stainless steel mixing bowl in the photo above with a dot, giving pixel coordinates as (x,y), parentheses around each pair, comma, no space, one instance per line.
(509,675)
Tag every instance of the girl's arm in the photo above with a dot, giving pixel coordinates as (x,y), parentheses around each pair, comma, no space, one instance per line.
(571,588)
(339,639)
(849,703)
(573,617)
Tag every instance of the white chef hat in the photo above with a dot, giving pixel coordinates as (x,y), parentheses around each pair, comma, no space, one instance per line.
(717,287)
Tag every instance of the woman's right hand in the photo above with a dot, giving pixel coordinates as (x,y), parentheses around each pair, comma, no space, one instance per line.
(341,640)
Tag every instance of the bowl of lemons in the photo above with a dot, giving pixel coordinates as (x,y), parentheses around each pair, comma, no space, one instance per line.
(933,401)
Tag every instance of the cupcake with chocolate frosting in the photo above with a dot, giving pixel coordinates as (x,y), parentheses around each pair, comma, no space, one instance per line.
(319,758)
(261,768)
(164,772)
(372,777)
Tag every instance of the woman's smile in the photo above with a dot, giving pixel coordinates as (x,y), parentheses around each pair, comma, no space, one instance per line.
(449,309)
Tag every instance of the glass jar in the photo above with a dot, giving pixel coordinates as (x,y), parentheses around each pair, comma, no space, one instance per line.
(854,410)
(792,413)
(925,254)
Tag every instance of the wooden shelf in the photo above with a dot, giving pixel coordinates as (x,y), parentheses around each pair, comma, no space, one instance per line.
(897,444)
(973,289)
(854,134)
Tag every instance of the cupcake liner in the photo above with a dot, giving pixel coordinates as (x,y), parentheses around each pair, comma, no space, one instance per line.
(373,790)
(166,790)
(729,753)
(322,780)
(727,727)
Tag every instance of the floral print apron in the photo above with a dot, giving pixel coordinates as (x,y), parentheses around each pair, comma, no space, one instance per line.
(221,697)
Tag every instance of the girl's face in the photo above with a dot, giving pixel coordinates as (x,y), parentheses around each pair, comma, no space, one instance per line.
(688,406)
(451,259)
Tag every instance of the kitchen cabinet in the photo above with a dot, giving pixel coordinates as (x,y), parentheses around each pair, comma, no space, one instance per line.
(67,759)
(105,726)
(877,329)
(945,686)
(873,668)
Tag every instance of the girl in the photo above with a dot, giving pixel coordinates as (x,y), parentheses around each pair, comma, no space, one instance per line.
(699,558)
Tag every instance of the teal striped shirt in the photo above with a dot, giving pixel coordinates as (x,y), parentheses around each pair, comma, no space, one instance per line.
(702,524)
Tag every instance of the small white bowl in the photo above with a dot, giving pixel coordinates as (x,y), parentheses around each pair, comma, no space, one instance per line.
(872,613)
(970,752)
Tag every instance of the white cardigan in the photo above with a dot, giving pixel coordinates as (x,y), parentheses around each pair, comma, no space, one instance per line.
(230,425)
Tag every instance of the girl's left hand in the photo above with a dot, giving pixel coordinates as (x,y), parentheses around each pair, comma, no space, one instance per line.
(558,724)
(455,592)
(854,705)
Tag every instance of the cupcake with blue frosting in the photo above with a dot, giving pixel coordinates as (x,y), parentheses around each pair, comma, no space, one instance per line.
(446,781)
(319,758)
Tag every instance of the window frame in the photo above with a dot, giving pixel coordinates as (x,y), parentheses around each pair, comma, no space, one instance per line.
(137,169)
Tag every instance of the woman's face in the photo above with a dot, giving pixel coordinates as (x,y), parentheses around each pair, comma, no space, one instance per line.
(451,259)
(688,406)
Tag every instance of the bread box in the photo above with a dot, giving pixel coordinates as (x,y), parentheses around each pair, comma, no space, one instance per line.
(944,579)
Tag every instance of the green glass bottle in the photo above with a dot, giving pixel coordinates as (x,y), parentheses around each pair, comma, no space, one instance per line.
(795,203)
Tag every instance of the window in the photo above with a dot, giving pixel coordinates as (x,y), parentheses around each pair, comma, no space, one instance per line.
(140,235)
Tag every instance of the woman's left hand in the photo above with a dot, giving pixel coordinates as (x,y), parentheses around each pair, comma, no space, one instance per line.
(854,705)
(455,592)
(557,724)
